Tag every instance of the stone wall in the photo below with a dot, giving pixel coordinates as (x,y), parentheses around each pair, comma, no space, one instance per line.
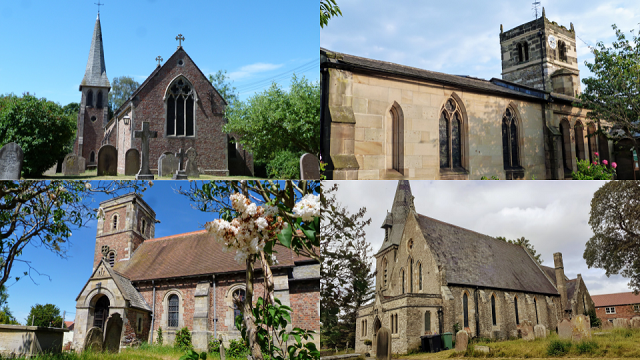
(27,341)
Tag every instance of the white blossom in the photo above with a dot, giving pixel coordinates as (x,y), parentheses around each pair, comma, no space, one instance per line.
(87,185)
(308,207)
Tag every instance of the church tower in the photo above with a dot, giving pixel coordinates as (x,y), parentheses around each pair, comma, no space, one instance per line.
(94,112)
(543,55)
(123,224)
(394,222)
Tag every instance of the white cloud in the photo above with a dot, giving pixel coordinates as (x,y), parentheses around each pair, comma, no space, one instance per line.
(552,215)
(249,70)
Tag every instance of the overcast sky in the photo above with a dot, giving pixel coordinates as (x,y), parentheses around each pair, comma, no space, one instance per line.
(462,37)
(553,215)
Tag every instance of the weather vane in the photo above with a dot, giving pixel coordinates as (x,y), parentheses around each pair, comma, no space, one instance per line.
(535,7)
(99,4)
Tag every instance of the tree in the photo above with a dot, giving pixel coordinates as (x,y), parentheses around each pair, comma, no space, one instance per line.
(614,220)
(613,94)
(41,128)
(277,121)
(524,242)
(47,315)
(225,89)
(328,9)
(346,276)
(43,213)
(6,317)
(121,89)
(71,109)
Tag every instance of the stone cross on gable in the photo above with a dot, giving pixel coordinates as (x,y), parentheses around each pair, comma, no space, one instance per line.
(159,60)
(145,134)
(180,39)
(180,154)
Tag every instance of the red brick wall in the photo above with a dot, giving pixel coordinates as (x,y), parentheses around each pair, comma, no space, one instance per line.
(131,326)
(93,133)
(622,311)
(305,303)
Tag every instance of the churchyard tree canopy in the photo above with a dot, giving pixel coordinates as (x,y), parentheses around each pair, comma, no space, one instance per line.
(47,315)
(121,89)
(42,128)
(613,93)
(328,9)
(526,243)
(44,213)
(614,220)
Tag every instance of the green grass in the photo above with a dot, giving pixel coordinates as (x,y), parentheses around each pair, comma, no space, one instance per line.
(92,175)
(609,344)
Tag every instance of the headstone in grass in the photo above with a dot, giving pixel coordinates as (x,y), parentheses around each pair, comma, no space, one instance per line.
(309,167)
(71,165)
(112,336)
(383,345)
(635,322)
(540,331)
(93,340)
(462,340)
(167,165)
(565,329)
(191,167)
(222,352)
(108,161)
(481,349)
(11,157)
(526,330)
(581,328)
(606,324)
(621,323)
(131,162)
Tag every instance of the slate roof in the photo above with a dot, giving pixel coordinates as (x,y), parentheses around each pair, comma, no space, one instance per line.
(551,272)
(96,71)
(626,298)
(342,60)
(571,290)
(129,292)
(186,255)
(474,259)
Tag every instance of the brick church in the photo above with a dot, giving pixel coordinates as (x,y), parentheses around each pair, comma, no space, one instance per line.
(177,100)
(431,275)
(141,283)
(382,120)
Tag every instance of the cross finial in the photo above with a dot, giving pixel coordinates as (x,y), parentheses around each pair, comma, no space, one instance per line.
(180,39)
(159,59)
(99,4)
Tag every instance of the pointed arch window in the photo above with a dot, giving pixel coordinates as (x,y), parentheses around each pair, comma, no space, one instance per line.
(515,304)
(450,133)
(411,276)
(525,48)
(427,321)
(180,104)
(402,271)
(565,130)
(420,276)
(99,101)
(89,98)
(493,310)
(535,305)
(520,53)
(591,134)
(240,293)
(562,50)
(577,128)
(115,222)
(174,311)
(465,309)
(510,153)
(397,134)
(92,157)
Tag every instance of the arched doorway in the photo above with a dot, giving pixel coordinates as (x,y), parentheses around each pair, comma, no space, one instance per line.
(101,312)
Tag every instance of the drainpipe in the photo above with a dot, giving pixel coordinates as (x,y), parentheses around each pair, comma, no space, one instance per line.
(215,317)
(153,311)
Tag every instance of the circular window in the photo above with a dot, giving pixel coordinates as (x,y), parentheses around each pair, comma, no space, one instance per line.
(93,118)
(180,62)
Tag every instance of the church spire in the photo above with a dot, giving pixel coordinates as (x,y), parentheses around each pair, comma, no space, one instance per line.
(395,220)
(96,72)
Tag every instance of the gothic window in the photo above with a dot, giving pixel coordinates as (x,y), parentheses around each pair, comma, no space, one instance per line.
(101,312)
(411,276)
(410,244)
(515,304)
(579,141)
(111,257)
(562,50)
(427,321)
(450,128)
(525,47)
(143,225)
(115,222)
(566,145)
(180,101)
(396,323)
(92,157)
(465,309)
(591,134)
(174,311)
(420,276)
(510,140)
(392,328)
(493,310)
(520,53)
(99,101)
(397,133)
(89,98)
(231,146)
(365,327)
(240,293)
(402,271)
(535,305)
(384,270)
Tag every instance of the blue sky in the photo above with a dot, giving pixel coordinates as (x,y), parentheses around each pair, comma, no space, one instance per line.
(46,43)
(462,37)
(69,275)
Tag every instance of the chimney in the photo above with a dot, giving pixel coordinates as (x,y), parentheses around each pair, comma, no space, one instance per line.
(560,282)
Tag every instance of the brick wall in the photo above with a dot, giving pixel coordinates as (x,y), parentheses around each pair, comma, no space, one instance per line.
(622,311)
(305,302)
(130,324)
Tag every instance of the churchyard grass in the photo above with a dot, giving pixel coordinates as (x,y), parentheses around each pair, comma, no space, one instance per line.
(609,344)
(91,175)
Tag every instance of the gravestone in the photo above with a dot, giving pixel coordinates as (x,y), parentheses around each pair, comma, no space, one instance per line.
(82,164)
(51,171)
(11,157)
(108,161)
(191,167)
(145,134)
(167,165)
(620,323)
(309,167)
(180,174)
(93,340)
(462,341)
(565,329)
(540,331)
(526,330)
(222,352)
(131,162)
(71,165)
(114,331)
(383,344)
(606,324)
(581,328)
(482,349)
(635,322)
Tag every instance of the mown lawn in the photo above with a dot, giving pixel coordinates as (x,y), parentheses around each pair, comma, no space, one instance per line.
(609,344)
(92,175)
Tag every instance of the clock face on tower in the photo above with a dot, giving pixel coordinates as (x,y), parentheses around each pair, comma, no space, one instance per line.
(553,42)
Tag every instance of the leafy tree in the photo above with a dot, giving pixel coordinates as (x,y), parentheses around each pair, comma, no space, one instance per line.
(43,213)
(6,317)
(328,9)
(613,94)
(524,242)
(220,82)
(44,315)
(274,121)
(614,220)
(72,109)
(346,276)
(285,165)
(121,89)
(41,128)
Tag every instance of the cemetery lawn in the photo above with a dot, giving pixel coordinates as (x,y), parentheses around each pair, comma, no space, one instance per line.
(609,344)
(91,175)
(144,352)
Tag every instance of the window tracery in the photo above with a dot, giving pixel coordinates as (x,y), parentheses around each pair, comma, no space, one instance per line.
(180,101)
(450,126)
(510,140)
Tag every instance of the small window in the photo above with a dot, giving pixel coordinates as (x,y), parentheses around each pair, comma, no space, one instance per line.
(636,308)
(143,225)
(520,53)
(535,305)
(427,321)
(610,310)
(384,267)
(465,309)
(139,324)
(402,271)
(525,48)
(493,310)
(240,293)
(115,222)
(174,311)
(93,119)
(99,102)
(90,98)
(515,303)
(111,258)
(420,276)
(562,49)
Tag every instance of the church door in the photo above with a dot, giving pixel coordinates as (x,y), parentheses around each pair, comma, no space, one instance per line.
(101,312)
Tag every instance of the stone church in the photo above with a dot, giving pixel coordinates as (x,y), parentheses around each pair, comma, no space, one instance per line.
(179,103)
(431,275)
(382,120)
(140,283)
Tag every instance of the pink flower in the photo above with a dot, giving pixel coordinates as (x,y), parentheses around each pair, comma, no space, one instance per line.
(614,165)
(596,154)
(595,163)
(605,162)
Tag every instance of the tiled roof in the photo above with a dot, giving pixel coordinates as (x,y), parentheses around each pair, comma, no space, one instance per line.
(626,298)
(190,254)
(551,273)
(474,259)
(129,292)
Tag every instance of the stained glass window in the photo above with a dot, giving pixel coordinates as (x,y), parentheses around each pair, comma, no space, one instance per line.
(444,141)
(180,109)
(450,132)
(510,140)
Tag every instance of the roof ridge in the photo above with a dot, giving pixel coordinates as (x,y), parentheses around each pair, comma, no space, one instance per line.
(176,235)
(620,293)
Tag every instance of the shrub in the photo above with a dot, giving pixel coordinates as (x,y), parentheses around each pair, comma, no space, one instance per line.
(456,328)
(42,129)
(183,340)
(368,342)
(214,346)
(159,339)
(586,347)
(285,165)
(593,318)
(237,349)
(203,355)
(558,347)
(595,170)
